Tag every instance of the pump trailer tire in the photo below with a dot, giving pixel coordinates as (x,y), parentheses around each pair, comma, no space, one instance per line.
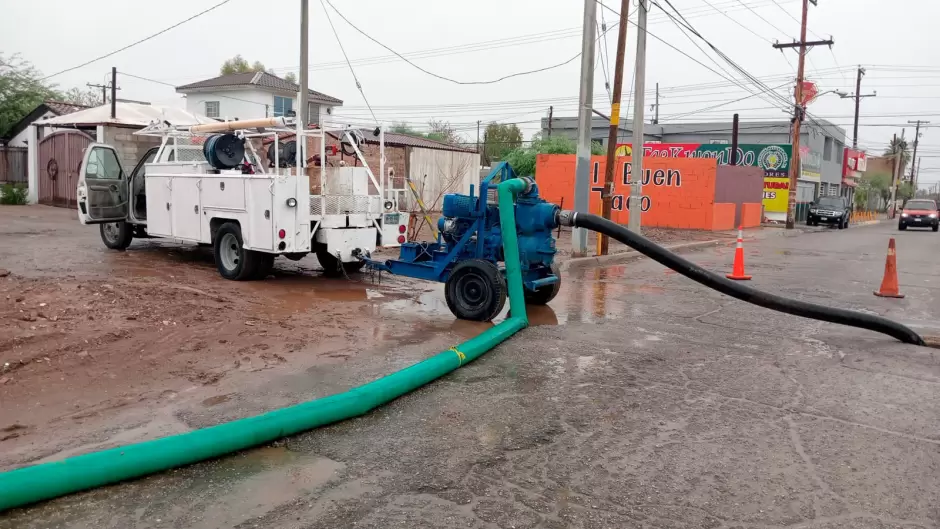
(231,258)
(116,235)
(475,290)
(544,294)
(332,267)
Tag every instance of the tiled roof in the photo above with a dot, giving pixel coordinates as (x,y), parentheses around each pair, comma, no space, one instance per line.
(261,79)
(395,138)
(62,108)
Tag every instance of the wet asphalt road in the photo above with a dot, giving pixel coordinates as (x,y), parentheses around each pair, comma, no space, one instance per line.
(652,402)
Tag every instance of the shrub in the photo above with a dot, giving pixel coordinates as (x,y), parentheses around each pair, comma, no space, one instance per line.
(13,194)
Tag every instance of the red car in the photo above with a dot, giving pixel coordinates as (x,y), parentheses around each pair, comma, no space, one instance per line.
(919,213)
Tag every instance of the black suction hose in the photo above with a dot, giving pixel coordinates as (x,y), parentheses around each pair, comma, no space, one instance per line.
(737,290)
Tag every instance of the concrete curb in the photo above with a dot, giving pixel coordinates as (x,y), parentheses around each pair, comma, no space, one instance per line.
(630,255)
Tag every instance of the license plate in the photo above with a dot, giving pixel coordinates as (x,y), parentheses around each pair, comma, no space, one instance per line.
(391,218)
(918,220)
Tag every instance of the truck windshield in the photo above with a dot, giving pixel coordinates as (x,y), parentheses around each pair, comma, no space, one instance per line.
(921,204)
(830,202)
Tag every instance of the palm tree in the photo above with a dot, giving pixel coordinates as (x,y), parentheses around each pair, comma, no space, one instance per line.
(899,145)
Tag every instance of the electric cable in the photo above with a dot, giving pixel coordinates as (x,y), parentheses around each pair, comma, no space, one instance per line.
(145,39)
(351,70)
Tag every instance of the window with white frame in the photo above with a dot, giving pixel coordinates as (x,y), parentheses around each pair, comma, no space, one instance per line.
(313,113)
(283,106)
(212,109)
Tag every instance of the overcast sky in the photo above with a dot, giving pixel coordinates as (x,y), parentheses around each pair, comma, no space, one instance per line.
(487,39)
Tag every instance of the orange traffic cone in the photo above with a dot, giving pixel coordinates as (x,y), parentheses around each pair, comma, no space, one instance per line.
(737,270)
(889,285)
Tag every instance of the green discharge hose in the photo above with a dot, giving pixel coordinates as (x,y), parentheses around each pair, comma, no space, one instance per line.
(50,480)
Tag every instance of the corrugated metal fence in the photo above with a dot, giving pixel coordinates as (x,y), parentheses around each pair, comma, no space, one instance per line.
(13,164)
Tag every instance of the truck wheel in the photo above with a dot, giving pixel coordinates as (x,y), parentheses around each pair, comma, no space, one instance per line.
(901,227)
(117,235)
(231,258)
(935,227)
(544,294)
(475,290)
(333,267)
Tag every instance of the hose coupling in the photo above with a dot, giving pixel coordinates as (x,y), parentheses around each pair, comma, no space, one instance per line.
(565,217)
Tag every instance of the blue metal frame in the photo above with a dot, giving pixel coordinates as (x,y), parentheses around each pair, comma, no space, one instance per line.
(432,262)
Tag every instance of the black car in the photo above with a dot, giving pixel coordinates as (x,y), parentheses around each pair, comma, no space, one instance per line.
(830,210)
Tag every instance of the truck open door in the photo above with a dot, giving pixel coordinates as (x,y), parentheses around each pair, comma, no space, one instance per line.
(102,186)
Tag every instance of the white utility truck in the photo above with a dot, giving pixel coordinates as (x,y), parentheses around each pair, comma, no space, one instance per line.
(208,184)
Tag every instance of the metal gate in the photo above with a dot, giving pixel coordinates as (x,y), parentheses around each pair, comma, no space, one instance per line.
(60,156)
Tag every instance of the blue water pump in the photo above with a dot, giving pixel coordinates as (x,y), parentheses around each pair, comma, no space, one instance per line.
(469,248)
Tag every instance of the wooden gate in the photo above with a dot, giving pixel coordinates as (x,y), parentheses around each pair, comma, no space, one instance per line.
(60,156)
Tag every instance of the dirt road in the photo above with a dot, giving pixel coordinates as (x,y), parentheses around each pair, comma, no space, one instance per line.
(106,347)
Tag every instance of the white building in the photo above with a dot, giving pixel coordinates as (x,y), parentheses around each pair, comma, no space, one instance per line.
(252,95)
(18,136)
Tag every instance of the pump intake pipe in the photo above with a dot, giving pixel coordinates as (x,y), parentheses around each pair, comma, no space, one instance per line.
(737,290)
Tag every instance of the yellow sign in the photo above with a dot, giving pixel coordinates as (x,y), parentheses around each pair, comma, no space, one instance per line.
(776,194)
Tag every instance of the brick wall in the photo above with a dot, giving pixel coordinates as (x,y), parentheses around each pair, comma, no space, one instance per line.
(678,192)
(130,147)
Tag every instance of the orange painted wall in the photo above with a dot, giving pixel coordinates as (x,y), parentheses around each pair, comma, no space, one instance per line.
(723,217)
(680,192)
(751,215)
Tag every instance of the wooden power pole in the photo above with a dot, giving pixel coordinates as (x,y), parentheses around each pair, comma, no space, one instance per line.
(608,192)
(799,111)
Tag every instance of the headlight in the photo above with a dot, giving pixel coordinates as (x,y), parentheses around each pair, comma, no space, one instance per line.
(904,215)
(932,215)
(388,205)
(813,211)
(292,202)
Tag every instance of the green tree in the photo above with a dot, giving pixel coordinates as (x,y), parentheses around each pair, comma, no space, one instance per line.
(21,90)
(437,130)
(499,139)
(522,159)
(873,186)
(291,76)
(86,97)
(899,145)
(239,64)
(905,191)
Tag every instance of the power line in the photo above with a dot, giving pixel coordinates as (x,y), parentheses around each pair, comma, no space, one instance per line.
(145,39)
(438,76)
(351,70)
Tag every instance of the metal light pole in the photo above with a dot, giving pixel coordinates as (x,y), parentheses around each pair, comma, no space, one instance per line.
(582,183)
(636,179)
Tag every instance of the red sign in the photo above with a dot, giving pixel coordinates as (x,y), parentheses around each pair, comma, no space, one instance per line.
(854,164)
(809,92)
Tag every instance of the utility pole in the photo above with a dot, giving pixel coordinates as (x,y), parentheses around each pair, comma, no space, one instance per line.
(636,178)
(478,137)
(857,96)
(304,68)
(582,171)
(550,110)
(607,194)
(896,176)
(798,112)
(104,91)
(656,106)
(113,92)
(916,138)
(917,177)
(734,140)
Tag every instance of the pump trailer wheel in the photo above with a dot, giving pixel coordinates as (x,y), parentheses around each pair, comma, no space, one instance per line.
(475,290)
(543,295)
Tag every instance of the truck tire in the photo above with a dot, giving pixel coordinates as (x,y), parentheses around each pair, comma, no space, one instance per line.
(545,294)
(475,290)
(332,267)
(116,235)
(231,258)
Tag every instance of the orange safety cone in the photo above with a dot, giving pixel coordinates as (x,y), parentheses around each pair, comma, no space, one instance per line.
(737,270)
(889,285)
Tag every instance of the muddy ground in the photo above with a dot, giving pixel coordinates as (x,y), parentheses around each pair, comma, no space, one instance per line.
(98,347)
